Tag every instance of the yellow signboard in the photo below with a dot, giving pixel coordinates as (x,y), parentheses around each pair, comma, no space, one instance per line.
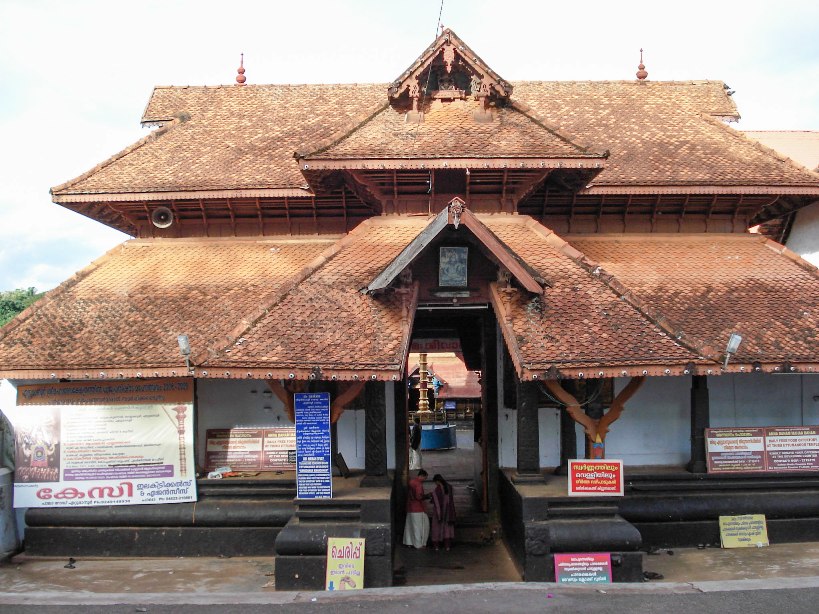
(746,531)
(345,564)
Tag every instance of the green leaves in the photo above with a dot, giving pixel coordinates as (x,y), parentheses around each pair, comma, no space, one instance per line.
(13,302)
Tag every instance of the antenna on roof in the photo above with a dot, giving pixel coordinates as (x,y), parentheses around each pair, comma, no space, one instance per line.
(240,78)
(641,69)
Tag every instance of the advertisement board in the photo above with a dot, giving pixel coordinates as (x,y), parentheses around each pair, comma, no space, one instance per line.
(101,443)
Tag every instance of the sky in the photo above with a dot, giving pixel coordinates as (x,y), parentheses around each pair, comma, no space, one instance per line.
(75,76)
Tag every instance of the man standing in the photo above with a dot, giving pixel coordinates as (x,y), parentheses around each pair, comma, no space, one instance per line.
(416,529)
(415,444)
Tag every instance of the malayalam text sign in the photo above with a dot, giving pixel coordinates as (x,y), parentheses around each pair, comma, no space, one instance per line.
(100,443)
(582,568)
(345,564)
(747,531)
(314,476)
(595,478)
(251,449)
(771,448)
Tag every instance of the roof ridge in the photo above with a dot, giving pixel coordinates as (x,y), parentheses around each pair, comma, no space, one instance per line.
(342,133)
(53,294)
(594,269)
(178,119)
(268,301)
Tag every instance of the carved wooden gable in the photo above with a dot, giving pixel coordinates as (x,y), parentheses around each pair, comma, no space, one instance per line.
(449,70)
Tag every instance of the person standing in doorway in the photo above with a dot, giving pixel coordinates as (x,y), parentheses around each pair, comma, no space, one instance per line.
(415,444)
(443,513)
(416,529)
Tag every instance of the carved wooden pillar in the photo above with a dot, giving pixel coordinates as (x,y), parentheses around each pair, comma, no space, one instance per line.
(375,436)
(700,420)
(528,465)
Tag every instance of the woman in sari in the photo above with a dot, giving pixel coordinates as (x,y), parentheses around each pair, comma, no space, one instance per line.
(443,513)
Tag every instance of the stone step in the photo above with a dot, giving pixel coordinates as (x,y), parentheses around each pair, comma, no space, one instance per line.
(329,514)
(563,511)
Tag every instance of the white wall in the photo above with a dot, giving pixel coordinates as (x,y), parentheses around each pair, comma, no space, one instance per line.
(764,399)
(655,427)
(248,403)
(804,236)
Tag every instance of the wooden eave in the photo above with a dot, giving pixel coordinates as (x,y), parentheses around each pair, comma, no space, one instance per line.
(588,161)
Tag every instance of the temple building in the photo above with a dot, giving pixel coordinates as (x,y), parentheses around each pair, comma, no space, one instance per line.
(586,243)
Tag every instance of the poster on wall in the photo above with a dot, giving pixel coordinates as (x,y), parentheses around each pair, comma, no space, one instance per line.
(770,448)
(100,443)
(251,449)
(345,564)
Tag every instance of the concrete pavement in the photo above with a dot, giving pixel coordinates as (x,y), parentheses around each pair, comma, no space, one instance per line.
(43,581)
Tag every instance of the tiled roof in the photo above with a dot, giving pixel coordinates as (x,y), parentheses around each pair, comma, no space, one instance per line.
(269,308)
(327,323)
(123,313)
(449,131)
(660,134)
(709,286)
(579,325)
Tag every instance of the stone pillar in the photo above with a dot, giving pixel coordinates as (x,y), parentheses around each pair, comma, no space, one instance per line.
(528,467)
(700,420)
(568,441)
(375,435)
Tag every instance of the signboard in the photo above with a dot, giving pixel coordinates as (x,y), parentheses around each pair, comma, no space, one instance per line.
(595,478)
(314,476)
(251,449)
(345,564)
(772,448)
(583,568)
(436,346)
(100,443)
(745,531)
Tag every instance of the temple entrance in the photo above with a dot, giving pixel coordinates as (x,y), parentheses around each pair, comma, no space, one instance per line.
(453,363)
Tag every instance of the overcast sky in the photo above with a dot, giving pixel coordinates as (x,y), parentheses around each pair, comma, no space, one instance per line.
(75,75)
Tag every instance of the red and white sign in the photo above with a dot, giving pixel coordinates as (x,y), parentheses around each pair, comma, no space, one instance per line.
(596,478)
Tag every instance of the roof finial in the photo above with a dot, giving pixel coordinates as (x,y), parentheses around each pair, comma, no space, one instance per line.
(240,78)
(641,69)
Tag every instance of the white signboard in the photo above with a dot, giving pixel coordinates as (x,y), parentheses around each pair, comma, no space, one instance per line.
(99,443)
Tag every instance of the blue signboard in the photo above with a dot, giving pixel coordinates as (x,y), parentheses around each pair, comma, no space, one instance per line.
(314,476)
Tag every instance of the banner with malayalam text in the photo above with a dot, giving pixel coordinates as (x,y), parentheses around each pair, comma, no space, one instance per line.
(769,448)
(595,478)
(104,443)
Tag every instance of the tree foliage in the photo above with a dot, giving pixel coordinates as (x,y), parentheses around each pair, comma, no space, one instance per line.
(13,302)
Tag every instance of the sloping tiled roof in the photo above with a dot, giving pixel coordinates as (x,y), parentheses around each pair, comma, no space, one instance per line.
(449,131)
(123,313)
(327,323)
(660,135)
(663,304)
(579,325)
(712,285)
